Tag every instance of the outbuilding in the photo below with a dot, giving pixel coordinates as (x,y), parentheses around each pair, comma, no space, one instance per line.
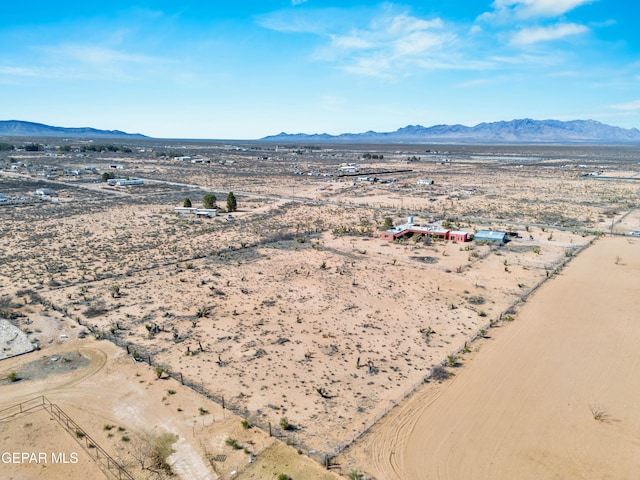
(491,236)
(459,236)
(46,192)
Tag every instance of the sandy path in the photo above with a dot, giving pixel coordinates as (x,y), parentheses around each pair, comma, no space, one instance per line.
(522,407)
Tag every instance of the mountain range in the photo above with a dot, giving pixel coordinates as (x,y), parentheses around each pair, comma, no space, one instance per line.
(18,128)
(514,131)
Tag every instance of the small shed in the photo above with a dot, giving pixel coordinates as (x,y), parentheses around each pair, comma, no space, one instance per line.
(492,236)
(387,235)
(459,236)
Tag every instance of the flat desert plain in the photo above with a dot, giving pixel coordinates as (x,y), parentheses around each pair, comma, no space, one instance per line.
(553,395)
(293,314)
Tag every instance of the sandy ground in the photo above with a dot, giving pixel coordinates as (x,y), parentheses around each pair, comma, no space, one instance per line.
(294,309)
(553,394)
(110,389)
(340,313)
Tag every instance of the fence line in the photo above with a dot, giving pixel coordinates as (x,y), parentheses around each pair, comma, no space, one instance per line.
(22,407)
(88,444)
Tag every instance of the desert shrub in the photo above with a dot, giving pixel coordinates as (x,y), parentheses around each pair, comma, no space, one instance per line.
(284,476)
(598,413)
(476,300)
(285,425)
(12,377)
(440,373)
(95,311)
(354,474)
(162,449)
(233,443)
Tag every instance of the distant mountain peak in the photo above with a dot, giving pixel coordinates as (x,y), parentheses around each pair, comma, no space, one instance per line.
(524,130)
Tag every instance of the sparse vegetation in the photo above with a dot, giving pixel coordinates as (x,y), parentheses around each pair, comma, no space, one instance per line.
(440,373)
(285,425)
(272,307)
(233,443)
(598,413)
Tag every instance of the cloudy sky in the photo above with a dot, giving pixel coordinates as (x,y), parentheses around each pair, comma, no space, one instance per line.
(246,69)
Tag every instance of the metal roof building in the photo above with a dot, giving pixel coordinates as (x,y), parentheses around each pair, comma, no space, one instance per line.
(490,236)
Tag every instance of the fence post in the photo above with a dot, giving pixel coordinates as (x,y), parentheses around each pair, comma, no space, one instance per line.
(181,379)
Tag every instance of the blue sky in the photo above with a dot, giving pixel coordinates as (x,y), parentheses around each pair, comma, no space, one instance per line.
(246,69)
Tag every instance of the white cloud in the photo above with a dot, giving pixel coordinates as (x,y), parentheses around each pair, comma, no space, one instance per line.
(629,106)
(536,8)
(388,42)
(528,36)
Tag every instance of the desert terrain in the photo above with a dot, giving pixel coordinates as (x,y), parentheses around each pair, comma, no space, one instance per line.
(292,314)
(552,395)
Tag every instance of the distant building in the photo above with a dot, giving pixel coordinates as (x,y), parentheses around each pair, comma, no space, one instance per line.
(424,181)
(46,192)
(348,168)
(123,182)
(199,212)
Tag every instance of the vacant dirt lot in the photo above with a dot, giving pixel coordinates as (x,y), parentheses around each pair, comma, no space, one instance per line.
(551,395)
(293,312)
